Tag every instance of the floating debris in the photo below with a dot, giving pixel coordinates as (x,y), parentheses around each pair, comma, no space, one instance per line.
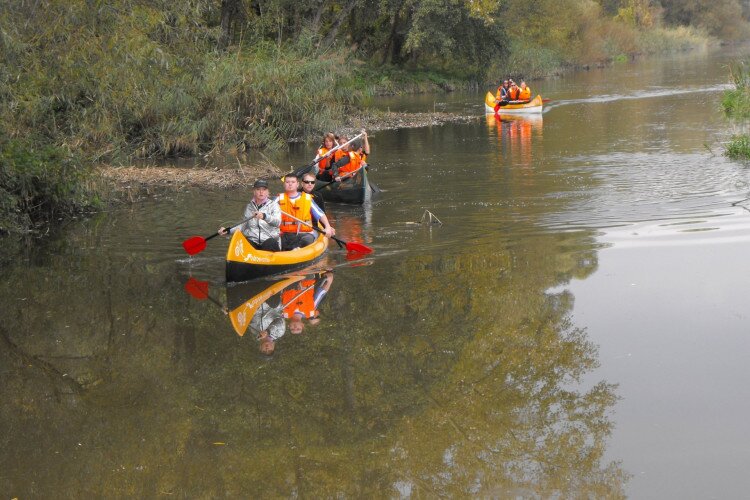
(430,218)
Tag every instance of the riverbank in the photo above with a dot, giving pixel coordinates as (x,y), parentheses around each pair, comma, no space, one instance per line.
(132,182)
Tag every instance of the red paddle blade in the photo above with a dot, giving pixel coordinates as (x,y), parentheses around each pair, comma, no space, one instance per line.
(194,245)
(197,289)
(353,246)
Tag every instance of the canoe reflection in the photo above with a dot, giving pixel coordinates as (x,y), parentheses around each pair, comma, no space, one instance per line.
(516,133)
(265,309)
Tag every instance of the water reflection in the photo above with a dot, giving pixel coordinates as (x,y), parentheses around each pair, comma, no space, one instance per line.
(266,308)
(515,133)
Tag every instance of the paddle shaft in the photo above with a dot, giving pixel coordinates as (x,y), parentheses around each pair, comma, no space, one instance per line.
(307,167)
(197,244)
(345,176)
(311,226)
(227,229)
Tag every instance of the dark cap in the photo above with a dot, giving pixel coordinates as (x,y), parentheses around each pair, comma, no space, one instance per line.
(261,183)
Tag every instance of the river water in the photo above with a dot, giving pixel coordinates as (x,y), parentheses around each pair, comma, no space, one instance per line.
(576,326)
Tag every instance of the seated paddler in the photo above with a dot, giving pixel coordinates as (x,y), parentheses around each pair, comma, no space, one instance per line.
(263,220)
(299,213)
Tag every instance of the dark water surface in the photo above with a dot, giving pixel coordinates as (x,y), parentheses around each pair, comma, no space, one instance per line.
(576,327)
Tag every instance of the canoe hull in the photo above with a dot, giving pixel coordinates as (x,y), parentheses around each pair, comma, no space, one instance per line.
(536,105)
(354,190)
(244,263)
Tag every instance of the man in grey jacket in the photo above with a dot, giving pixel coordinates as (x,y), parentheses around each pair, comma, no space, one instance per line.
(263,220)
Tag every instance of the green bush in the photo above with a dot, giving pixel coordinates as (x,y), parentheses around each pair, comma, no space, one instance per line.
(736,101)
(39,183)
(739,147)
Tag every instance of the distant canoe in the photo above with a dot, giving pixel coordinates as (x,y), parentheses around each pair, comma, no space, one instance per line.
(533,106)
(246,263)
(355,190)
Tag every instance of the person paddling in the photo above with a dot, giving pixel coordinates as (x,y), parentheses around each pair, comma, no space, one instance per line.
(525,92)
(301,206)
(262,228)
(327,144)
(308,186)
(501,97)
(326,175)
(355,158)
(514,93)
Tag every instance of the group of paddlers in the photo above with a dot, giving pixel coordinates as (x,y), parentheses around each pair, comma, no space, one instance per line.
(510,93)
(292,219)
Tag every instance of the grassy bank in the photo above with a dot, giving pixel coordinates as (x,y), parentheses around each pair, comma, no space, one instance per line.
(736,105)
(122,80)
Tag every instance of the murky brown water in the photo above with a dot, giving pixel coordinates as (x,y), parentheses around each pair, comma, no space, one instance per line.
(576,327)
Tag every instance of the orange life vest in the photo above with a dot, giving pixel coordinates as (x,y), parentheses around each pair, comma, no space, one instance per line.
(300,207)
(325,163)
(514,94)
(525,94)
(355,161)
(338,154)
(300,301)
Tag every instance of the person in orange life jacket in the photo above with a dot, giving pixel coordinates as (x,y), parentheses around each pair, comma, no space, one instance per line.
(303,300)
(301,205)
(308,186)
(327,144)
(262,228)
(355,159)
(514,93)
(525,94)
(325,175)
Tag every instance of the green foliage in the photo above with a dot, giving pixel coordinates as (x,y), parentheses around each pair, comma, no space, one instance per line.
(720,18)
(736,101)
(148,81)
(181,78)
(739,147)
(39,183)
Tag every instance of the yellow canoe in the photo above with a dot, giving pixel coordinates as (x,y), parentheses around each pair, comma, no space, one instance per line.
(245,262)
(533,106)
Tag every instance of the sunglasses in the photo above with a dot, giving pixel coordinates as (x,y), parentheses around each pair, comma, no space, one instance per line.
(308,182)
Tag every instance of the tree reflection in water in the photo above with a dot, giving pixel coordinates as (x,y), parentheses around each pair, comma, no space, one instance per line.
(436,374)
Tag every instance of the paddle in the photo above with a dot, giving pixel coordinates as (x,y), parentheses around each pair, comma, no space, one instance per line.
(197,244)
(345,176)
(351,246)
(199,290)
(303,170)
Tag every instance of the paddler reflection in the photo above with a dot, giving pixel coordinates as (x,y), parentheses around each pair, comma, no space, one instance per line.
(295,299)
(516,133)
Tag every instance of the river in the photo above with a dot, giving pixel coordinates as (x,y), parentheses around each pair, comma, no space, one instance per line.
(574,327)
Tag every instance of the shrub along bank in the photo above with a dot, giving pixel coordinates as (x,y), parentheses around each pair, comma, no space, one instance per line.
(736,105)
(113,81)
(40,184)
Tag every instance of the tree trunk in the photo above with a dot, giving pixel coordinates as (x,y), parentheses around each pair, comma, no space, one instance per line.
(331,36)
(391,43)
(231,10)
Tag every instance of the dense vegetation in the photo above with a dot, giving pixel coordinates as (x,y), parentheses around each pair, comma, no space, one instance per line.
(736,104)
(135,78)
